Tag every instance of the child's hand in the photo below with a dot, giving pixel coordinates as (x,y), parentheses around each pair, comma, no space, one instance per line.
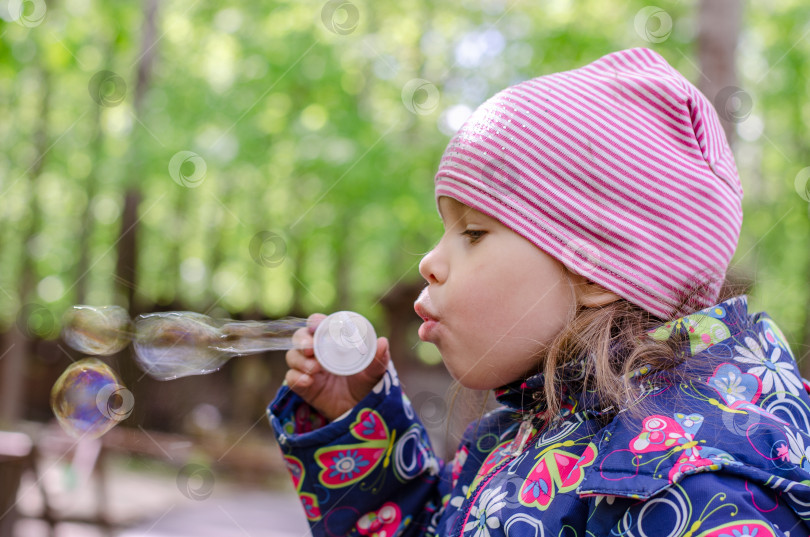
(332,395)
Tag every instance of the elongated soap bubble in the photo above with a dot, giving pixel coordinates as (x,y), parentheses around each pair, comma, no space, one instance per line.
(97,330)
(89,399)
(170,345)
(174,344)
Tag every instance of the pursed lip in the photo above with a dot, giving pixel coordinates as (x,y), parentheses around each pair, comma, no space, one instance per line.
(422,308)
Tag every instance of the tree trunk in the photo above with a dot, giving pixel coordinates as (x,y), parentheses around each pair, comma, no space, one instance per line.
(126,276)
(402,320)
(718,32)
(126,268)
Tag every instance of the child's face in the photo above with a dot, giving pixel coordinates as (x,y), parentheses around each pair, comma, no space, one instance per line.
(498,298)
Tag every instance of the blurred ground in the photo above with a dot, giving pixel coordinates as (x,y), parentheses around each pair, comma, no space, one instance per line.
(255,514)
(183,493)
(152,505)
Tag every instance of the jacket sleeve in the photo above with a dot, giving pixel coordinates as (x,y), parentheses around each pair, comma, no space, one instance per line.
(710,504)
(371,470)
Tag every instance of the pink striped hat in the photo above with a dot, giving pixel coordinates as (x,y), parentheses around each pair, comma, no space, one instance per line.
(619,169)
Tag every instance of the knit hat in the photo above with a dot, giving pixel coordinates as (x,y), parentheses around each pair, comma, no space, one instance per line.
(619,169)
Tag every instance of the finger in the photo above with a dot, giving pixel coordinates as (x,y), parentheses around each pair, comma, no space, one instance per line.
(298,382)
(381,358)
(299,362)
(313,321)
(302,340)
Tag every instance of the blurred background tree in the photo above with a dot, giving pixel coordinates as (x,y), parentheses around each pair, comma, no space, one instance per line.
(265,159)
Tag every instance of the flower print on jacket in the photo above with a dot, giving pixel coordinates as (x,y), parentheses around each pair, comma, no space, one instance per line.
(735,386)
(457,501)
(389,380)
(776,375)
(798,451)
(483,515)
(346,464)
(740,391)
(773,335)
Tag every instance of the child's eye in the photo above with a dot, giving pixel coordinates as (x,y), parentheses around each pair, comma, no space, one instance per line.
(474,234)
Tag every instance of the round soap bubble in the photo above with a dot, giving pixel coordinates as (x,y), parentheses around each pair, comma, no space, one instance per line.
(98,330)
(89,399)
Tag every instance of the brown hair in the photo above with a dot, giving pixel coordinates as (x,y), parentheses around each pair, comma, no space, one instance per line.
(593,331)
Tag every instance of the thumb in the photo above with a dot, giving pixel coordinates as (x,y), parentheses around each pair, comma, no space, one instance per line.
(381,359)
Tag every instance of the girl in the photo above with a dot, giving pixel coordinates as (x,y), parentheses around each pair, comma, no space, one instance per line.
(590,217)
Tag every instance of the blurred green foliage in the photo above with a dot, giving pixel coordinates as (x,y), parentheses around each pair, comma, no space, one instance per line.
(305,133)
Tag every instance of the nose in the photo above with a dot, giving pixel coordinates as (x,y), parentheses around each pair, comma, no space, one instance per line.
(432,267)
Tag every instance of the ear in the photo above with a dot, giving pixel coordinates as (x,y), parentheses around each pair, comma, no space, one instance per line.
(592,295)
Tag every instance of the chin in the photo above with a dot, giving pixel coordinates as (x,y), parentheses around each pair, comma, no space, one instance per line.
(476,378)
(475,381)
(479,384)
(459,374)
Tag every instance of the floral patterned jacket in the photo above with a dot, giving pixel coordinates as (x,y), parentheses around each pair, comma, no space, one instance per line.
(722,450)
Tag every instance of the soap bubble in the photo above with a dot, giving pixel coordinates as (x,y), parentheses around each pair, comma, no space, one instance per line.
(174,344)
(98,330)
(170,345)
(89,399)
